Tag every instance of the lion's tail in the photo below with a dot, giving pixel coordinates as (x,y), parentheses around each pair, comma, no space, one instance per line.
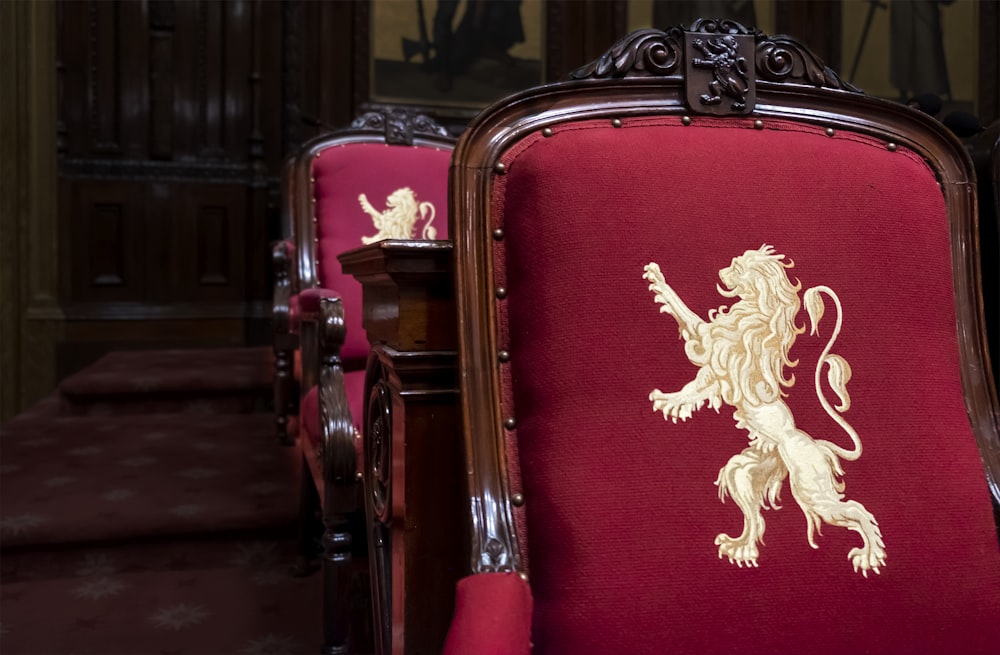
(839,371)
(429,232)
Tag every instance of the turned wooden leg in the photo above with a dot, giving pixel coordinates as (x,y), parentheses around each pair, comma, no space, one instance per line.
(307,528)
(336,584)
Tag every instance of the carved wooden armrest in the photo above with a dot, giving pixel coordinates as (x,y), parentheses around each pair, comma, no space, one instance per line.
(285,340)
(339,450)
(282,256)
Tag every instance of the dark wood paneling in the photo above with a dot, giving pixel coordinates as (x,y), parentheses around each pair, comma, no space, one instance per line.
(107,221)
(104,58)
(168,153)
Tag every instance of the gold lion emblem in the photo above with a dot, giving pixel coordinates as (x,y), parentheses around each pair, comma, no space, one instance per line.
(742,352)
(399,220)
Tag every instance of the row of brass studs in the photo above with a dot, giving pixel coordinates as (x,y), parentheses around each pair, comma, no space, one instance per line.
(312,182)
(509,423)
(759,125)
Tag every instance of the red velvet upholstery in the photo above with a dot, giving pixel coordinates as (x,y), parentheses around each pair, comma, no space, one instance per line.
(492,616)
(354,386)
(622,514)
(344,172)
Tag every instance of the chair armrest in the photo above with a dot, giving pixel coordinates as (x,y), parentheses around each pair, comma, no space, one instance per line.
(309,335)
(492,616)
(310,299)
(282,256)
(323,334)
(336,423)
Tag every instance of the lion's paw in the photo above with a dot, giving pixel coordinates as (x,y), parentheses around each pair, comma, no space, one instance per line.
(739,551)
(868,558)
(674,405)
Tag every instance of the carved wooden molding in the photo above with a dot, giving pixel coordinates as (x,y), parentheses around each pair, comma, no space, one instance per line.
(659,53)
(399,125)
(148,170)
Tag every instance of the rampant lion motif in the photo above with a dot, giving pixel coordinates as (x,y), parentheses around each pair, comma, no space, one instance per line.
(729,70)
(742,352)
(399,220)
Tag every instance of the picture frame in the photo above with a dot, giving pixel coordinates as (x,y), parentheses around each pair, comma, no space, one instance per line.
(454,57)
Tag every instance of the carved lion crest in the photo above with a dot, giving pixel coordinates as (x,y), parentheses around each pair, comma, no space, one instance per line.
(742,352)
(399,219)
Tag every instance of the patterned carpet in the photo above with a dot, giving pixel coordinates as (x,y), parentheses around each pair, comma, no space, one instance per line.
(156,517)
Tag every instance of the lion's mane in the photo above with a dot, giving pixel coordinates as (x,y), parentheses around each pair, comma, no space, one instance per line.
(746,345)
(400,218)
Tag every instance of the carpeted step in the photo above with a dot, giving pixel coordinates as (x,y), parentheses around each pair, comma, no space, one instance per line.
(208,380)
(224,598)
(78,479)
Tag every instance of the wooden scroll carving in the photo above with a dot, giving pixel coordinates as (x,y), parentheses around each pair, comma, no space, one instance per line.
(399,125)
(734,56)
(339,482)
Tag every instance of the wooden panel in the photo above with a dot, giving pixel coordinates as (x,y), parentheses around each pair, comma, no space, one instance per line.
(104,57)
(207,226)
(107,245)
(107,231)
(161,79)
(213,246)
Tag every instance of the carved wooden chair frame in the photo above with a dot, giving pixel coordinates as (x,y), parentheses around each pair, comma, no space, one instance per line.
(644,74)
(332,466)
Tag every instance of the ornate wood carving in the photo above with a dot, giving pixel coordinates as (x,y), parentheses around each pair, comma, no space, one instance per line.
(658,53)
(338,457)
(399,125)
(719,79)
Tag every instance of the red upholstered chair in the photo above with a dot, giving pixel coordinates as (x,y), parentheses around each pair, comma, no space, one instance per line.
(384,177)
(692,283)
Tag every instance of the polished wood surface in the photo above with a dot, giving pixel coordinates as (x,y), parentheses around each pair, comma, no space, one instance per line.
(413,485)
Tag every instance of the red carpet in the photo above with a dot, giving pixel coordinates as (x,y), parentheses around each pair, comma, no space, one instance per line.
(126,531)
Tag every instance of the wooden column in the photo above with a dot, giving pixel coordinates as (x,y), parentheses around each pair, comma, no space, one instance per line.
(31,321)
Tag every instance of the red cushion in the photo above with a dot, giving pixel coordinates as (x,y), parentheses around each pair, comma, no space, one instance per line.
(344,172)
(354,386)
(622,511)
(492,616)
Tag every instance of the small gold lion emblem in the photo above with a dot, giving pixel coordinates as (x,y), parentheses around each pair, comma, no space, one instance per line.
(742,352)
(399,220)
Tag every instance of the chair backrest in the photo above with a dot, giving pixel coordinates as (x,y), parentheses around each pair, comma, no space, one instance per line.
(711,219)
(384,177)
